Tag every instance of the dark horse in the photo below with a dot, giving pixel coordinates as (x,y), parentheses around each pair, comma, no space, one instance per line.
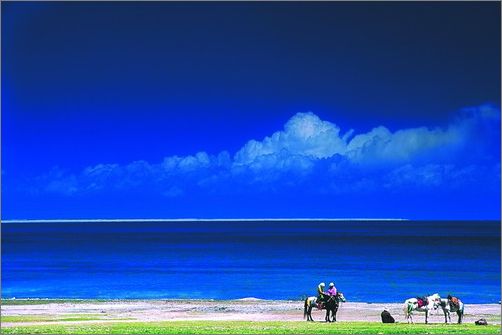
(448,306)
(331,306)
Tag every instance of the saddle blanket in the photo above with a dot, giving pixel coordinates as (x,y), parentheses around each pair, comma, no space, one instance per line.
(454,301)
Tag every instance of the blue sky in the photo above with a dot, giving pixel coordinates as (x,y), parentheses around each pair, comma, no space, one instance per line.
(146,110)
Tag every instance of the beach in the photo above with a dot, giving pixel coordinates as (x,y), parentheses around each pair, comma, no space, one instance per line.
(40,312)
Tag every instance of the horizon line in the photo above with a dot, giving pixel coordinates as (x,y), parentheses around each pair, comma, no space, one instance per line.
(231,220)
(200,220)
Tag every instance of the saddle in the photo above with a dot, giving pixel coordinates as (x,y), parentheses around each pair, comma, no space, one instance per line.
(322,300)
(454,302)
(421,302)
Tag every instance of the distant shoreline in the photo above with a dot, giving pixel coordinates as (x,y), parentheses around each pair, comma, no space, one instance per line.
(20,301)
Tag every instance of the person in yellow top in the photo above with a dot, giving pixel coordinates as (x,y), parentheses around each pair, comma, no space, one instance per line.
(320,291)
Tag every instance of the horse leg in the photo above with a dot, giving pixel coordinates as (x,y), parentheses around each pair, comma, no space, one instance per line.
(408,311)
(426,315)
(334,314)
(305,307)
(307,310)
(459,313)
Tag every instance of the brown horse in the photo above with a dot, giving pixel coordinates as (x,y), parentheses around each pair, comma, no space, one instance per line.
(449,307)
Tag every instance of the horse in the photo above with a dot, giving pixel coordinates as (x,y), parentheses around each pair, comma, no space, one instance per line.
(307,310)
(411,305)
(448,307)
(331,306)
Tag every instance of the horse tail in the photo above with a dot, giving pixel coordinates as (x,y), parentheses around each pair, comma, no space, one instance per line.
(305,308)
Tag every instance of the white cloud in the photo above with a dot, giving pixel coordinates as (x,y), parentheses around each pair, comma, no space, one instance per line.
(305,134)
(381,145)
(311,150)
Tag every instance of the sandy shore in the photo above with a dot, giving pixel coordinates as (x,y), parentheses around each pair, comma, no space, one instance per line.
(245,309)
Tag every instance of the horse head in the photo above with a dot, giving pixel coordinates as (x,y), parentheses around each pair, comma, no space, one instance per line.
(341,297)
(434,301)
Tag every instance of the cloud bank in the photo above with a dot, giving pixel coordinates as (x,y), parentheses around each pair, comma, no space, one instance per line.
(312,156)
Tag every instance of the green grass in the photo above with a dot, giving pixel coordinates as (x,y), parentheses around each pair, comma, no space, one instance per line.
(49,318)
(248,327)
(48,301)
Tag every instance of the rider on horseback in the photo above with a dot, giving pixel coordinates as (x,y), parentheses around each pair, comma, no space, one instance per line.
(332,290)
(321,296)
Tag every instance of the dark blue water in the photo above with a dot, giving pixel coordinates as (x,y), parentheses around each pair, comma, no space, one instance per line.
(368,261)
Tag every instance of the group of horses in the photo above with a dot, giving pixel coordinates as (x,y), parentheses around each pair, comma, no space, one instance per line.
(431,303)
(428,303)
(331,305)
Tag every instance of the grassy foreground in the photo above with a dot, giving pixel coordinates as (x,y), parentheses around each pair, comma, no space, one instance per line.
(248,327)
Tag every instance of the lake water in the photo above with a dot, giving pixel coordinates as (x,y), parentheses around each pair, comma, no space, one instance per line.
(368,261)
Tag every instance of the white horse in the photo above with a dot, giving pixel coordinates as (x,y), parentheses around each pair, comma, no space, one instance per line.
(310,302)
(448,307)
(411,305)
